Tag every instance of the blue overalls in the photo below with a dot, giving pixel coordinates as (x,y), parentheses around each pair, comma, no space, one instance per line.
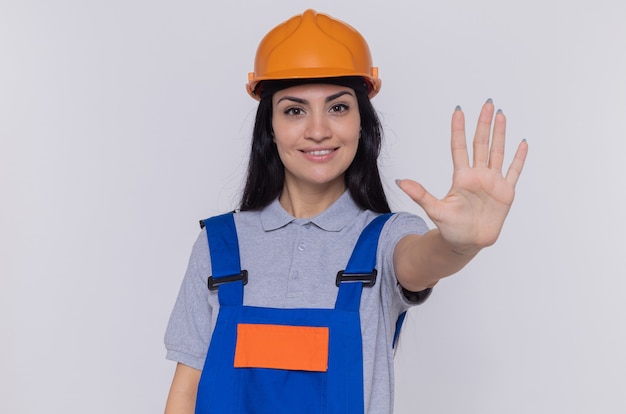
(267,360)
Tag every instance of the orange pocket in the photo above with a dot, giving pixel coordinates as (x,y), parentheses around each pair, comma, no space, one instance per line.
(301,348)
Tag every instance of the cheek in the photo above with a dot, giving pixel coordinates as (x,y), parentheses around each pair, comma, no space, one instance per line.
(351,131)
(283,147)
(351,136)
(284,133)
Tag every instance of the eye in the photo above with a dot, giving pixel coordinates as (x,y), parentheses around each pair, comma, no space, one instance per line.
(294,111)
(339,108)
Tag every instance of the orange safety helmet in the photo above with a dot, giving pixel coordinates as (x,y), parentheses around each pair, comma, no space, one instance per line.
(310,46)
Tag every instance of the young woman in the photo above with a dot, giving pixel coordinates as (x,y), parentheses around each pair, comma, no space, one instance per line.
(308,282)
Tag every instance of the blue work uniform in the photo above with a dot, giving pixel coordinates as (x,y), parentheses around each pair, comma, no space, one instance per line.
(251,366)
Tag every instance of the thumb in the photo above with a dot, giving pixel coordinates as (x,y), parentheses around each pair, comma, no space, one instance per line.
(418,193)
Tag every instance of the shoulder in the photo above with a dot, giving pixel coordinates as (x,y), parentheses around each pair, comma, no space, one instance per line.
(397,227)
(403,223)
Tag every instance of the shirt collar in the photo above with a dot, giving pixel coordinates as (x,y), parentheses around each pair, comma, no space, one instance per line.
(334,218)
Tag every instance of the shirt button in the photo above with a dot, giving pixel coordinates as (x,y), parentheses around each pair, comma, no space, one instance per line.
(301,247)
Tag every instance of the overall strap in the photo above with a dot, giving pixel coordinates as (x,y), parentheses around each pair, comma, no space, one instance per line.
(225,263)
(361,268)
(396,334)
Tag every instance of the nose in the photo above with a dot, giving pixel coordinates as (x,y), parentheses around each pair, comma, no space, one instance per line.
(318,128)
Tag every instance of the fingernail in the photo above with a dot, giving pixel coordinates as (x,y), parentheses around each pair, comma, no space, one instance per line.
(489,101)
(458,108)
(499,111)
(524,140)
(398,182)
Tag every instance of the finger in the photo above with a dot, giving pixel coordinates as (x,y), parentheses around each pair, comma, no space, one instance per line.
(423,198)
(458,144)
(483,131)
(496,153)
(515,169)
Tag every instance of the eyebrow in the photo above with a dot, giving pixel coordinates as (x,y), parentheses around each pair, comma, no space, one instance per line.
(304,101)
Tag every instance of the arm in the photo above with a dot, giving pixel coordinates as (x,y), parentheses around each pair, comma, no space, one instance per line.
(182,396)
(470,217)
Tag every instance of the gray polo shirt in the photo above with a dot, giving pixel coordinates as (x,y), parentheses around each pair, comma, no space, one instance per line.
(293,263)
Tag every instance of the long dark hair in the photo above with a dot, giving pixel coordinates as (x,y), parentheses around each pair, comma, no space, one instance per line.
(266,173)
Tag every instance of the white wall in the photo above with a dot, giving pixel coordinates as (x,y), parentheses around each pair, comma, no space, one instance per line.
(123,122)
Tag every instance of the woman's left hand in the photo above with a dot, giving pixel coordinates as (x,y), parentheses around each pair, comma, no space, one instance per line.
(472,214)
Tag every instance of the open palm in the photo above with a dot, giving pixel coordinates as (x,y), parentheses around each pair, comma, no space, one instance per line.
(472,214)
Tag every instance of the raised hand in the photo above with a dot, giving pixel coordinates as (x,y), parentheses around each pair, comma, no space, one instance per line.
(472,214)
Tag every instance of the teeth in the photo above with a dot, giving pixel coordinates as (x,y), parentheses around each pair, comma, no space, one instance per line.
(322,152)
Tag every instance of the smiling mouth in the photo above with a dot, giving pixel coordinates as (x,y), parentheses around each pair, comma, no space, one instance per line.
(319,152)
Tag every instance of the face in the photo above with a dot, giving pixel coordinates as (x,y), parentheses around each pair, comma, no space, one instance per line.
(316,131)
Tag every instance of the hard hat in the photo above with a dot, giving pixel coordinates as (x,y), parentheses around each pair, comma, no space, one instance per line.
(310,46)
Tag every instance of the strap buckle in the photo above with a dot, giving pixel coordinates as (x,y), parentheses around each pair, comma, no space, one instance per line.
(368,279)
(214,283)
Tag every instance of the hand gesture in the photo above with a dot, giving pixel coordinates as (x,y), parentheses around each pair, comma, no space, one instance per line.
(471,215)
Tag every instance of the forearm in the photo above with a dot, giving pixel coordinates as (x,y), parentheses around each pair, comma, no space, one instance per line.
(421,261)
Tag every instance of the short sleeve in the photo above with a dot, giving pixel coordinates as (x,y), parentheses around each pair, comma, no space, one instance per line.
(189,329)
(399,226)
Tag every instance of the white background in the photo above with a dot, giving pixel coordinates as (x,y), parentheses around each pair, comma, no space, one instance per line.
(124,122)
